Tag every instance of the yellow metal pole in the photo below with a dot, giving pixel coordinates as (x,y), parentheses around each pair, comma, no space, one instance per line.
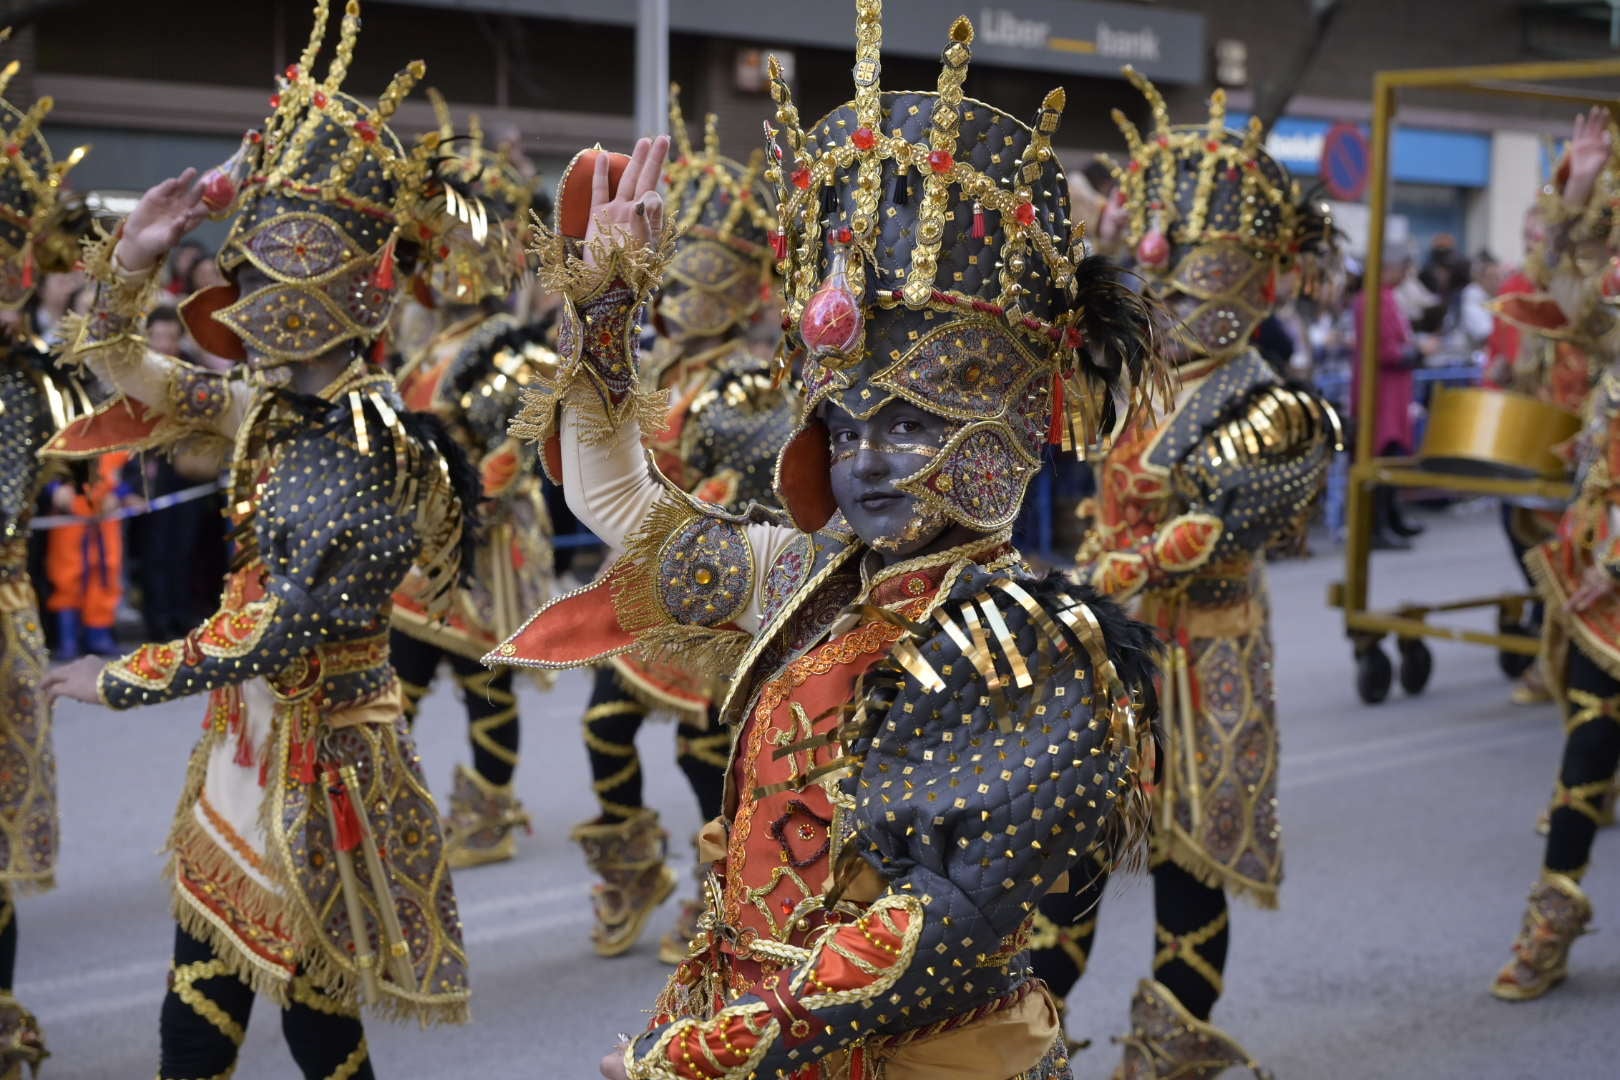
(1358,533)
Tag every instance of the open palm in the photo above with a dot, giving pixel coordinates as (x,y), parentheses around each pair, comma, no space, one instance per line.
(165,213)
(1589,148)
(634,211)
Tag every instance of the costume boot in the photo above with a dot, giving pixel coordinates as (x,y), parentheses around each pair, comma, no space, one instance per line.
(1557,914)
(1168,1043)
(674,945)
(629,858)
(21,1042)
(483,821)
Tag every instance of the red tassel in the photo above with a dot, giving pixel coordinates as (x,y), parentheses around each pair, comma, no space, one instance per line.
(244,748)
(304,761)
(28,267)
(343,812)
(779,244)
(978,221)
(1054,432)
(384,277)
(1271,288)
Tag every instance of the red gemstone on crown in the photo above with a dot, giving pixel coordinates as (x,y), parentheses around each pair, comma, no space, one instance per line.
(801,179)
(366,132)
(845,235)
(292,71)
(320,100)
(1025,213)
(831,321)
(941,161)
(1154,250)
(275,100)
(863,138)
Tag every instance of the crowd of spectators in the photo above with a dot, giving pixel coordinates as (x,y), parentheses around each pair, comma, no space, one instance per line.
(108,567)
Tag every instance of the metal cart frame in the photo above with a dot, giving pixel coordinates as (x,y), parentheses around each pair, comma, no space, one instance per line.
(1410,623)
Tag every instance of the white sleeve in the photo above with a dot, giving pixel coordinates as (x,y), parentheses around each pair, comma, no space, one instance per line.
(611,488)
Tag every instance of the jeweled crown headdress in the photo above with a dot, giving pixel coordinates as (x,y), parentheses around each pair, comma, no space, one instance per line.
(30,193)
(487,190)
(724,216)
(1214,217)
(324,196)
(929,256)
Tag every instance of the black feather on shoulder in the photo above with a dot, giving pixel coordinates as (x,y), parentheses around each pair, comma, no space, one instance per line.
(1121,327)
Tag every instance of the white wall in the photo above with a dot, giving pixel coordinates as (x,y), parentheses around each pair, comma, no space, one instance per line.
(1515,180)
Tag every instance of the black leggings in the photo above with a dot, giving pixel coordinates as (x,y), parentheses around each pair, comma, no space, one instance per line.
(611,721)
(205,1018)
(492,716)
(1190,935)
(1591,753)
(8,939)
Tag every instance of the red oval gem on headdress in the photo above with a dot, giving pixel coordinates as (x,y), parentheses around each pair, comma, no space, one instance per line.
(831,321)
(1212,146)
(254,137)
(12,149)
(801,179)
(1154,250)
(845,235)
(1163,140)
(863,138)
(320,100)
(366,132)
(941,161)
(292,71)
(1025,213)
(275,100)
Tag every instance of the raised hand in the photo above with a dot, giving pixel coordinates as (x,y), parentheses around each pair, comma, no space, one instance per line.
(165,213)
(1589,149)
(634,213)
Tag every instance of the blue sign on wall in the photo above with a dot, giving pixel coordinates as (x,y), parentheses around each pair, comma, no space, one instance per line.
(1421,155)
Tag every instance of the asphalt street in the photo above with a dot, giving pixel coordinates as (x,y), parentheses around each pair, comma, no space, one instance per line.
(1408,829)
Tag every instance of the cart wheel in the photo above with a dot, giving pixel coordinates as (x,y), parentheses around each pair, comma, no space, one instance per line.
(1374,674)
(1417,664)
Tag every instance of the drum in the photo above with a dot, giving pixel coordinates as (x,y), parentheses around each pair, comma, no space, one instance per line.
(1474,431)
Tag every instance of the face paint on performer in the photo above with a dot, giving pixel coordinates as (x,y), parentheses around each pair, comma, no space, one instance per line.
(868,457)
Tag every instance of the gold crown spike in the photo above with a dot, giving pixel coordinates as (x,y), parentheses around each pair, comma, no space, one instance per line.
(695,179)
(317,37)
(940,162)
(441,113)
(9,72)
(348,34)
(1214,134)
(677,124)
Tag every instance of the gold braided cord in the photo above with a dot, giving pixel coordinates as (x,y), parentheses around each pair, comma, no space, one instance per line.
(1184,947)
(185,979)
(612,708)
(614,780)
(353,1063)
(1585,799)
(1587,707)
(712,749)
(307,994)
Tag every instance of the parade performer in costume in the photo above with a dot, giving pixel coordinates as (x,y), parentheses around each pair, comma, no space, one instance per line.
(1188,504)
(1576,570)
(36,399)
(928,734)
(727,419)
(470,374)
(306,855)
